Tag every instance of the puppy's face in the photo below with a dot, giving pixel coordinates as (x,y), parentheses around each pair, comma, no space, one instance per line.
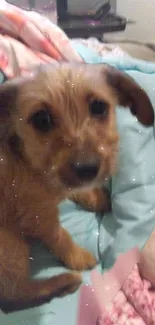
(61,121)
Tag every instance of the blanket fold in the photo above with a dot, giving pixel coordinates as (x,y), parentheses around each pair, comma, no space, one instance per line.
(28,39)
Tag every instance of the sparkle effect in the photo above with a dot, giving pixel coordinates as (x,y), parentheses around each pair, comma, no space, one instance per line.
(13,183)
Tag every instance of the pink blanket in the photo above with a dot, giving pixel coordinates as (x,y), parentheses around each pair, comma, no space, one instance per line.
(28,39)
(119,297)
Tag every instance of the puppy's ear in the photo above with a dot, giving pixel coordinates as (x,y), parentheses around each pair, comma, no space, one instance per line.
(8,96)
(130,94)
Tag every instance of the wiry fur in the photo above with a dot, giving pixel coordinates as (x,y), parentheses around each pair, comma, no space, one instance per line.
(35,173)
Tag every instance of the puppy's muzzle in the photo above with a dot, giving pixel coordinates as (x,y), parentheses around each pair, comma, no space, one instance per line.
(86,170)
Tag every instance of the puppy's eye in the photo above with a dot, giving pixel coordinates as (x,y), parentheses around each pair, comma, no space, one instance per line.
(42,121)
(98,108)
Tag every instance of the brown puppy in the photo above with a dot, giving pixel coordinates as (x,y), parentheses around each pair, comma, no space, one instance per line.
(57,134)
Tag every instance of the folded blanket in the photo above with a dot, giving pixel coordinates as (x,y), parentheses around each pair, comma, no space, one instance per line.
(100,48)
(28,39)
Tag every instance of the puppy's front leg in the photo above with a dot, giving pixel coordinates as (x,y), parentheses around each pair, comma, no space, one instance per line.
(60,243)
(64,248)
(44,224)
(96,200)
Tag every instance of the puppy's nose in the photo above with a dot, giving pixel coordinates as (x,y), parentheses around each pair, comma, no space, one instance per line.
(85,171)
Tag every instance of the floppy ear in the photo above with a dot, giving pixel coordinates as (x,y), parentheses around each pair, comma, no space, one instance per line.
(131,95)
(8,96)
(8,92)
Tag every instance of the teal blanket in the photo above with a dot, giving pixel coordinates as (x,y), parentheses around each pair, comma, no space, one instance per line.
(133,201)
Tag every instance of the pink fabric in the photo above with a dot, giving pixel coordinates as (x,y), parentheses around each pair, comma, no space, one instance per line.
(141,295)
(120,312)
(118,297)
(27,39)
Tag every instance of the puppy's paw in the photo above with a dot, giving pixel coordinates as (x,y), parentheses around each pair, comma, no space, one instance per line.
(69,283)
(81,260)
(96,200)
(40,292)
(99,200)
